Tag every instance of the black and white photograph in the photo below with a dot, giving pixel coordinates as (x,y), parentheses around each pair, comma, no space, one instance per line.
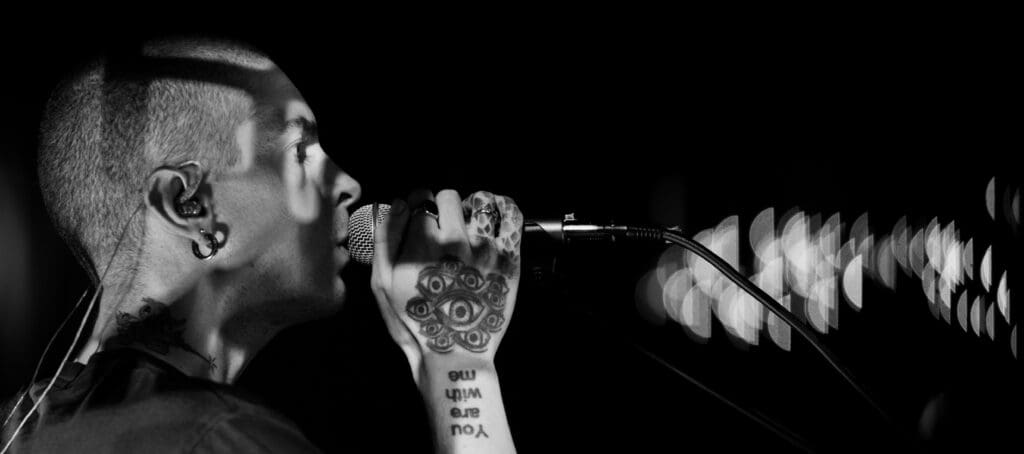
(307,231)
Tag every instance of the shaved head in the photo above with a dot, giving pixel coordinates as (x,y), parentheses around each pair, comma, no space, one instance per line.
(130,111)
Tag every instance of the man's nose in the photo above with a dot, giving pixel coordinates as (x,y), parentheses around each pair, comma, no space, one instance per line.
(346,190)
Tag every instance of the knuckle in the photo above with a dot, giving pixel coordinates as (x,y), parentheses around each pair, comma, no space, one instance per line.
(449,194)
(482,195)
(449,238)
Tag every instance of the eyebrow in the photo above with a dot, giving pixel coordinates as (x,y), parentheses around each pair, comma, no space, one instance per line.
(307,128)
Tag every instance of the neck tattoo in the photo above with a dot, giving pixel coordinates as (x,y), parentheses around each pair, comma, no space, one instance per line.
(156,330)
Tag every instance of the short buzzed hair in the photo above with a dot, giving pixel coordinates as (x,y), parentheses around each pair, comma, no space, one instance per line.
(109,124)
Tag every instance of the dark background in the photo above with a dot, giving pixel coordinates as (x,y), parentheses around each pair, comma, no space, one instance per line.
(625,120)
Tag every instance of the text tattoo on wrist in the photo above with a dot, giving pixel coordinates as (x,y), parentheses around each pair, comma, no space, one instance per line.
(458,306)
(465,419)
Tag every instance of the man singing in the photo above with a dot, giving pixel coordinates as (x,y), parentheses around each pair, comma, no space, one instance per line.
(187,177)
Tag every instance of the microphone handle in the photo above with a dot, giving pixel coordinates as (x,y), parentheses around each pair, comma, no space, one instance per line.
(568,230)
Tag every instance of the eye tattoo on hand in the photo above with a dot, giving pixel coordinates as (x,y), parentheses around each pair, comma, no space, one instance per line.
(458,306)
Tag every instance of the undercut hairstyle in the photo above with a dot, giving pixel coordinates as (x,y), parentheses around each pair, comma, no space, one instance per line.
(120,116)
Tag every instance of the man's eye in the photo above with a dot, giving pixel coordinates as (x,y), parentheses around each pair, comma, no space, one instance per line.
(300,152)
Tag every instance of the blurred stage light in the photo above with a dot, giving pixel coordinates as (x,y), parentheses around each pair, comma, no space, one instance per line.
(990,321)
(976,313)
(990,198)
(695,314)
(900,246)
(986,269)
(967,259)
(802,262)
(673,292)
(962,310)
(916,253)
(778,330)
(886,268)
(1003,298)
(853,283)
(647,297)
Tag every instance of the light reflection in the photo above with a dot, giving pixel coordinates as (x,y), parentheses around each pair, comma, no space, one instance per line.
(732,311)
(944,298)
(865,241)
(1015,207)
(928,284)
(986,269)
(750,315)
(672,293)
(961,311)
(933,245)
(778,330)
(1008,198)
(859,230)
(803,260)
(695,315)
(976,309)
(952,271)
(796,249)
(647,297)
(990,198)
(670,261)
(990,322)
(828,238)
(820,305)
(725,240)
(704,274)
(770,278)
(916,254)
(899,244)
(886,269)
(1013,342)
(762,236)
(967,259)
(853,284)
(1003,298)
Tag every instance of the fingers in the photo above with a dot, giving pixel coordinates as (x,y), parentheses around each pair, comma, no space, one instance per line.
(423,229)
(452,234)
(387,240)
(483,217)
(510,235)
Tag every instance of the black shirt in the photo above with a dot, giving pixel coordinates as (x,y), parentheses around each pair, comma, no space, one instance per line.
(126,400)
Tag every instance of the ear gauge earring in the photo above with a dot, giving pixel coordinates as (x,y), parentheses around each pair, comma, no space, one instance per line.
(211,242)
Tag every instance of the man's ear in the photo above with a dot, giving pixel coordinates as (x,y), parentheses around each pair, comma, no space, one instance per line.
(171,187)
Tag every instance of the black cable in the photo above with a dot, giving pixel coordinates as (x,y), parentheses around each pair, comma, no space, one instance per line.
(769,425)
(39,364)
(776,308)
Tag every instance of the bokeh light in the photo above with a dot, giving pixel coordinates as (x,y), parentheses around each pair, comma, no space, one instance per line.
(986,269)
(805,262)
(962,310)
(1003,298)
(990,198)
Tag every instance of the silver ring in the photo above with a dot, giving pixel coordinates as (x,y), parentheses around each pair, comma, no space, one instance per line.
(428,208)
(483,210)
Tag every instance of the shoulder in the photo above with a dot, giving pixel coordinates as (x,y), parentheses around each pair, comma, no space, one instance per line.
(222,418)
(252,432)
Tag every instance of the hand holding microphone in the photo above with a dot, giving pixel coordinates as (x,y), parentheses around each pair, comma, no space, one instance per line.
(445,270)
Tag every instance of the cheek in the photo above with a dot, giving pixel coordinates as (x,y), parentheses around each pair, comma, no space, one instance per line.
(302,196)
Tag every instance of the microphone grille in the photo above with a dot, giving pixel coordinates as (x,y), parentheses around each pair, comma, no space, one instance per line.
(361,228)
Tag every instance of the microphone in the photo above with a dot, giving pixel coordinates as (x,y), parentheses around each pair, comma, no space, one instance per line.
(364,222)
